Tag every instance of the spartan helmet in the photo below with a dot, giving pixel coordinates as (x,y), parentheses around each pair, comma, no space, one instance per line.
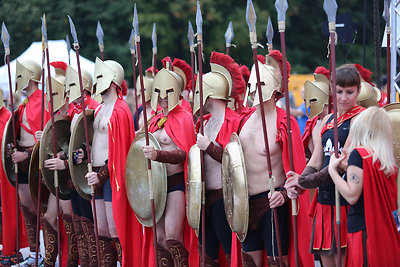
(217,84)
(26,71)
(105,73)
(316,95)
(57,86)
(166,84)
(1,98)
(270,79)
(367,96)
(72,86)
(148,83)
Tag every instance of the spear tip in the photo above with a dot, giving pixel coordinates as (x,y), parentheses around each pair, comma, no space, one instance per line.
(190,34)
(251,17)
(135,22)
(281,6)
(199,19)
(99,33)
(154,36)
(73,30)
(132,40)
(44,32)
(270,31)
(5,37)
(229,34)
(330,8)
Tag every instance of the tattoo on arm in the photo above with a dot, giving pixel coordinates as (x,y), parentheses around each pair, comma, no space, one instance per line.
(354,178)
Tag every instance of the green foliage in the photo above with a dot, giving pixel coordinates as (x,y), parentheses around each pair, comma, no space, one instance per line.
(306,45)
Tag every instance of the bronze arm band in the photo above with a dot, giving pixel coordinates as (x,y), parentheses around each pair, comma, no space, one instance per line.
(215,152)
(173,156)
(103,175)
(311,178)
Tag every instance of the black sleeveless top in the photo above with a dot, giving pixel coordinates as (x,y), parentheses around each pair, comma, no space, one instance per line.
(326,192)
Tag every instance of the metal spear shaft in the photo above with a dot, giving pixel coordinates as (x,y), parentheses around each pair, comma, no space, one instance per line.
(192,55)
(330,7)
(154,40)
(90,169)
(39,199)
(146,132)
(386,16)
(281,7)
(56,184)
(6,38)
(251,20)
(199,24)
(133,52)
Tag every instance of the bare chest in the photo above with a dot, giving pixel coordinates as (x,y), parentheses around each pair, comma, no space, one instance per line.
(164,139)
(100,123)
(212,128)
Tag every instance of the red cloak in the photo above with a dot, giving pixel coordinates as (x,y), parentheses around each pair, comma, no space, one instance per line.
(380,196)
(33,113)
(8,204)
(120,136)
(180,128)
(76,108)
(303,220)
(186,105)
(310,124)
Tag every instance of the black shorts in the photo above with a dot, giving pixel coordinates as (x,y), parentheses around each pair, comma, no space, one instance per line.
(23,177)
(262,238)
(107,192)
(81,206)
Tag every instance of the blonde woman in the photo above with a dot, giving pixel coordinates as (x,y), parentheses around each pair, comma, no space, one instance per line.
(370,189)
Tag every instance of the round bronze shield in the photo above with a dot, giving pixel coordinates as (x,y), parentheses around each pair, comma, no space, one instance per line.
(62,136)
(8,138)
(78,140)
(34,180)
(194,188)
(137,181)
(234,187)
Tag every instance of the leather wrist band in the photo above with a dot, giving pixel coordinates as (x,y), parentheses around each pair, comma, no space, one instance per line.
(311,178)
(103,175)
(173,156)
(215,152)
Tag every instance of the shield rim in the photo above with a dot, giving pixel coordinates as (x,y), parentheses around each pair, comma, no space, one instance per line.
(194,223)
(7,129)
(34,191)
(148,222)
(226,189)
(49,185)
(81,192)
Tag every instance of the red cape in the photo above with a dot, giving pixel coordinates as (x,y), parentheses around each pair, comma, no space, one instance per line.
(180,128)
(9,227)
(310,124)
(90,103)
(186,105)
(120,136)
(303,221)
(33,113)
(380,196)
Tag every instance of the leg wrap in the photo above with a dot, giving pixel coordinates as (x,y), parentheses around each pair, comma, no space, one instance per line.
(247,260)
(50,236)
(164,257)
(210,262)
(30,223)
(82,242)
(178,252)
(88,229)
(274,262)
(72,241)
(108,253)
(118,248)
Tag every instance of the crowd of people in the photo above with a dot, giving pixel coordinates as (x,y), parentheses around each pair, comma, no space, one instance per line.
(363,169)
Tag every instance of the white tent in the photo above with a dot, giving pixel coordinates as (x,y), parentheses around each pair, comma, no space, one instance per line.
(58,52)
